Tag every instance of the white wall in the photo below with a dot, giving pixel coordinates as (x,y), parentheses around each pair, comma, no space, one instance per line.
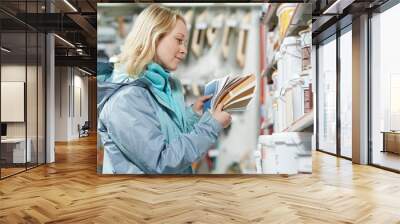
(69,85)
(16,73)
(61,103)
(79,117)
(33,126)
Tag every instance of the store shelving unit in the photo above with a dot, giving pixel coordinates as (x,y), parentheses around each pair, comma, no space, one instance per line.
(298,22)
(289,92)
(302,123)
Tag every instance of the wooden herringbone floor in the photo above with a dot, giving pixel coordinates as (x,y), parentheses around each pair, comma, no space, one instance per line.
(70,191)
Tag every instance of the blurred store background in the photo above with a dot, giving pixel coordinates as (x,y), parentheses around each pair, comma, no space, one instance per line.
(271,41)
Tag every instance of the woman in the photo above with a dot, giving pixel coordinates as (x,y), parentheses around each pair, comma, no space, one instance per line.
(144,124)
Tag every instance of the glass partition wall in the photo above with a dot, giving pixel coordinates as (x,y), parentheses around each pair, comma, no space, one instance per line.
(327,96)
(22,77)
(334,126)
(334,97)
(385,89)
(345,61)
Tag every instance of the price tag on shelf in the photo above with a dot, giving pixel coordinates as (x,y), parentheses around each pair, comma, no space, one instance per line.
(231,22)
(245,26)
(216,24)
(201,26)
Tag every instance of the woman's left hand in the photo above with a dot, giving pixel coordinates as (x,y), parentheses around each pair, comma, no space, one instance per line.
(198,105)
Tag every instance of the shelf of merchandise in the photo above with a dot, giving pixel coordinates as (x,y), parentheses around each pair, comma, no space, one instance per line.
(302,123)
(306,72)
(213,153)
(271,67)
(270,14)
(298,22)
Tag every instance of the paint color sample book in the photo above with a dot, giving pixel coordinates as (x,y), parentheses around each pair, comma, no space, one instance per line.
(235,93)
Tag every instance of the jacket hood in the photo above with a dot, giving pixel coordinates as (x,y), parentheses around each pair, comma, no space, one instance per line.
(110,81)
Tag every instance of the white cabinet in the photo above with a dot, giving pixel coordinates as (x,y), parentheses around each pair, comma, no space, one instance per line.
(17,148)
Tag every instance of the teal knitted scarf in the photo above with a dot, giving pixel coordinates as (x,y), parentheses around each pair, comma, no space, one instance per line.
(160,84)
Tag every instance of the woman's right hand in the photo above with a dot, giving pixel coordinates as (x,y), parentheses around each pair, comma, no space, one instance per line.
(223,118)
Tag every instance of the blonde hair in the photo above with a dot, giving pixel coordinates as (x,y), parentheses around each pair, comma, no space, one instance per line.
(150,26)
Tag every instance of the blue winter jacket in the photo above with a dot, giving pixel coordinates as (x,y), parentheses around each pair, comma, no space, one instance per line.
(139,134)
